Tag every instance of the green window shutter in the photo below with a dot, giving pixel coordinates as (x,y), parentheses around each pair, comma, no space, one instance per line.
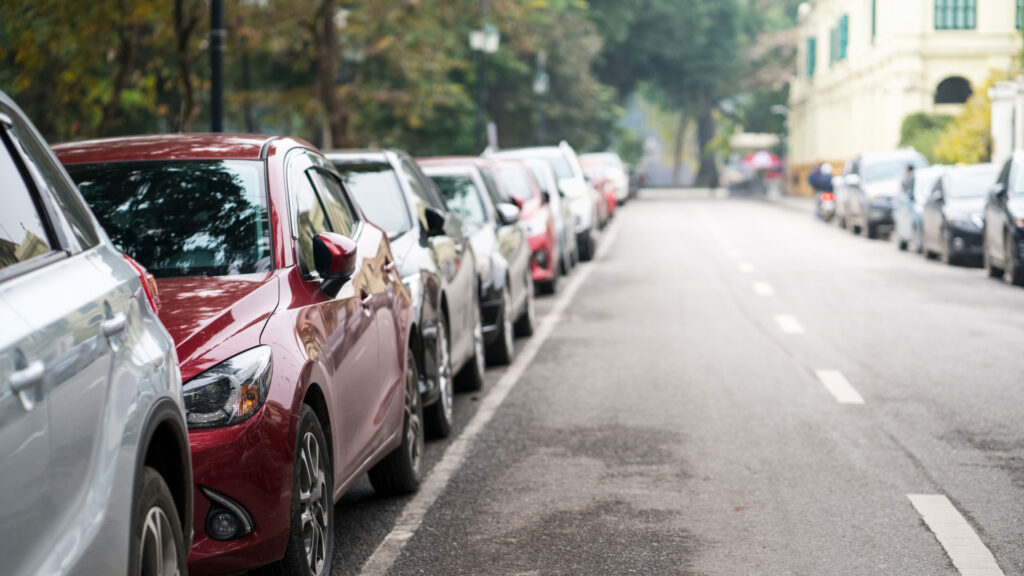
(812,54)
(844,36)
(956,14)
(1020,14)
(874,18)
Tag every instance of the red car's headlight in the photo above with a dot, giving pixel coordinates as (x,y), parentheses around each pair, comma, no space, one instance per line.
(230,392)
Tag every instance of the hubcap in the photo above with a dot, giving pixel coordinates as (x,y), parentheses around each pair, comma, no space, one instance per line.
(413,423)
(313,503)
(159,552)
(506,306)
(444,370)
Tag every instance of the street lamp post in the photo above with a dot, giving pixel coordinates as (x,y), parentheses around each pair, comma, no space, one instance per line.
(217,34)
(484,41)
(541,86)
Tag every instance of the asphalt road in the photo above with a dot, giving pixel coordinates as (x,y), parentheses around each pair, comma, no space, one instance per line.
(733,388)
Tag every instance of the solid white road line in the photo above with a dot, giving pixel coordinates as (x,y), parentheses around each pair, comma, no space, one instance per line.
(455,454)
(763,289)
(968,553)
(836,383)
(789,324)
(746,267)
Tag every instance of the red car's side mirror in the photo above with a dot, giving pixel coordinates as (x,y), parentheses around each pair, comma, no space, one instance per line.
(335,258)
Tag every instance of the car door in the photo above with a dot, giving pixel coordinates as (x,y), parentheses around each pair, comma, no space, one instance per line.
(931,218)
(347,340)
(511,241)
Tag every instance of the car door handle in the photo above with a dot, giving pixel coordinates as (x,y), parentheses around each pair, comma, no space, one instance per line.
(114,325)
(366,298)
(389,266)
(27,377)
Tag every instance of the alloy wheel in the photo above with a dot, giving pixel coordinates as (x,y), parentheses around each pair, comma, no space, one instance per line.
(159,552)
(444,371)
(314,501)
(413,419)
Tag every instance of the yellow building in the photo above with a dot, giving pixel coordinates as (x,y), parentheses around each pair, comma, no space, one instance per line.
(865,65)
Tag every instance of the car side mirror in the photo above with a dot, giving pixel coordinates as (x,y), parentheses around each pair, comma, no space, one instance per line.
(999,190)
(853,180)
(334,256)
(435,221)
(508,214)
(546,197)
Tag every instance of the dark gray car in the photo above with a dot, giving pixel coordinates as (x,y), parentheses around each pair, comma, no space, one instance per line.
(864,198)
(96,475)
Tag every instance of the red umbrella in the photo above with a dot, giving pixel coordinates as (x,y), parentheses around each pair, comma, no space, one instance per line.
(762,160)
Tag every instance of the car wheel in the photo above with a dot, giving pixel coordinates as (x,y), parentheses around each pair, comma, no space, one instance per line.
(551,286)
(586,246)
(901,244)
(159,546)
(1012,271)
(842,222)
(501,351)
(990,269)
(400,472)
(471,378)
(870,232)
(310,545)
(438,416)
(527,320)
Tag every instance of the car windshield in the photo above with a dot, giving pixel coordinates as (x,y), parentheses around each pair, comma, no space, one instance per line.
(516,182)
(890,169)
(970,184)
(924,183)
(462,196)
(559,164)
(1018,179)
(376,188)
(183,217)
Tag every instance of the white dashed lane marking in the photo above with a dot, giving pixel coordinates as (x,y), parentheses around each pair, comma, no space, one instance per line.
(788,324)
(838,386)
(968,553)
(763,289)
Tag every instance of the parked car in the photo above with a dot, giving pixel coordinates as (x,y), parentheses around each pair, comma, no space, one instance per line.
(535,214)
(97,477)
(291,324)
(614,170)
(907,207)
(437,262)
(954,214)
(606,188)
(1003,239)
(870,182)
(491,222)
(560,210)
(572,182)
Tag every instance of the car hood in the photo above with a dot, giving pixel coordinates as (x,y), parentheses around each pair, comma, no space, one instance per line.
(201,313)
(965,205)
(1015,204)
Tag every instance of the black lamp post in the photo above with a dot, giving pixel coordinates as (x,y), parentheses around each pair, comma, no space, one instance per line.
(484,41)
(541,87)
(217,34)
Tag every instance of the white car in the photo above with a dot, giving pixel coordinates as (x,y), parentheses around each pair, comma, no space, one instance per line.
(615,171)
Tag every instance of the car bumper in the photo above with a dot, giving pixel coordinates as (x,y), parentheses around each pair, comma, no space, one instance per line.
(965,243)
(544,258)
(879,216)
(250,464)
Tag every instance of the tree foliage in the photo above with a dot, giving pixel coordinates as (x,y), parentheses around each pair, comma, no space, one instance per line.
(921,131)
(968,138)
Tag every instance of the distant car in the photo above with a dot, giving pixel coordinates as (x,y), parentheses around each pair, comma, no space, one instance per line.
(572,183)
(537,219)
(291,324)
(491,222)
(614,170)
(436,261)
(870,182)
(560,210)
(907,207)
(602,181)
(953,217)
(97,477)
(1004,223)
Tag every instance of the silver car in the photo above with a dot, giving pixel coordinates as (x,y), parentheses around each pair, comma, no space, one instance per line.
(96,475)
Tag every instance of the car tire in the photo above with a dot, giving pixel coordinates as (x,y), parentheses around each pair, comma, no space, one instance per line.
(500,352)
(527,320)
(313,499)
(401,471)
(158,548)
(438,416)
(586,246)
(901,244)
(1012,271)
(471,377)
(551,286)
(842,222)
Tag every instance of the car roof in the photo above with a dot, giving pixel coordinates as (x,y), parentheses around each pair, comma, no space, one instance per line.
(890,155)
(196,146)
(533,151)
(360,156)
(453,161)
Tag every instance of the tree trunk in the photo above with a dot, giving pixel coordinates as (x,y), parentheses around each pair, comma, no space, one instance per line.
(707,176)
(184,27)
(127,36)
(327,66)
(677,150)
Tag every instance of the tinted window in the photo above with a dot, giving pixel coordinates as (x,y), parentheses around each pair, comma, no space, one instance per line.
(333,198)
(516,182)
(22,233)
(376,190)
(560,166)
(924,183)
(183,217)
(970,184)
(462,197)
(419,188)
(495,190)
(310,217)
(891,169)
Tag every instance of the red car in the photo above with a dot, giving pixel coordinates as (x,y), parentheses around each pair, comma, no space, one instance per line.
(291,326)
(535,214)
(596,172)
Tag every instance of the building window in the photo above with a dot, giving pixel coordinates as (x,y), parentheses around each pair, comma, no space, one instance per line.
(812,54)
(844,36)
(833,46)
(874,17)
(953,90)
(955,14)
(1020,14)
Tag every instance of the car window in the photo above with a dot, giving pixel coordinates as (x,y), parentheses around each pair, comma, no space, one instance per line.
(462,197)
(891,169)
(970,184)
(516,182)
(310,217)
(497,193)
(377,191)
(22,232)
(334,200)
(419,188)
(1017,180)
(924,183)
(40,160)
(183,217)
